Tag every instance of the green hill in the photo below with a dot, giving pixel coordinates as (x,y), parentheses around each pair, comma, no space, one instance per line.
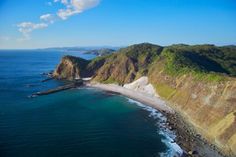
(203,61)
(207,62)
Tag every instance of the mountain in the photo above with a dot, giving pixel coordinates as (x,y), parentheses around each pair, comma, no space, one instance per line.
(100,52)
(197,81)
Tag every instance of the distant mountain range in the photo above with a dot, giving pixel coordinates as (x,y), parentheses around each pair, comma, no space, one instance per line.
(95,50)
(100,52)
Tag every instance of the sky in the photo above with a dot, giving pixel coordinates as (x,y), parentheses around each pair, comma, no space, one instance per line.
(26,24)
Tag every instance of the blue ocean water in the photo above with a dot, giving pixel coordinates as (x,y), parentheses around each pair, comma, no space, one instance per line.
(79,122)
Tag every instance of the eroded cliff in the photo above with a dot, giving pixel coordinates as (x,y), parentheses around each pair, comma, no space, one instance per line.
(71,68)
(209,106)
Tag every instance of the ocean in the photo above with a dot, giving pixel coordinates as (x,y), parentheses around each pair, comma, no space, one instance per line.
(81,122)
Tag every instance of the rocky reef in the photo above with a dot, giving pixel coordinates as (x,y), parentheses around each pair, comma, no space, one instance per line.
(197,81)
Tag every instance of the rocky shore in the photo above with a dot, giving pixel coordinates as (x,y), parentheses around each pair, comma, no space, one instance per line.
(192,143)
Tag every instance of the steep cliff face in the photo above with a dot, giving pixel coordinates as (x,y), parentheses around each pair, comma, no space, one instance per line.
(209,106)
(71,68)
(198,81)
(128,64)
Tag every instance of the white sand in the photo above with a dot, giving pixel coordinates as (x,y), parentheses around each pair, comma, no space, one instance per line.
(146,98)
(143,86)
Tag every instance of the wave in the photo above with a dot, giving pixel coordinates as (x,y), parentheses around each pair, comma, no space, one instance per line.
(169,136)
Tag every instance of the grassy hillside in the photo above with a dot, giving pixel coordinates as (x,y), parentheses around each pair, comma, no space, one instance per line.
(204,62)
(208,57)
(128,63)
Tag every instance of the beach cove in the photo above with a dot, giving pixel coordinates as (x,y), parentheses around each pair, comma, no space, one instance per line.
(69,122)
(185,136)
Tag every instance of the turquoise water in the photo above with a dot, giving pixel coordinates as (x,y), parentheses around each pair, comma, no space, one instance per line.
(79,122)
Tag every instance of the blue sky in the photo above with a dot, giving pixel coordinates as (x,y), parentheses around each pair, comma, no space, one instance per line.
(115,22)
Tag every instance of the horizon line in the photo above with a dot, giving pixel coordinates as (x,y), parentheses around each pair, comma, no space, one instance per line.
(112,46)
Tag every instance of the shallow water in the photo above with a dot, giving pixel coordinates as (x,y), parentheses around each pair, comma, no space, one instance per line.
(78,122)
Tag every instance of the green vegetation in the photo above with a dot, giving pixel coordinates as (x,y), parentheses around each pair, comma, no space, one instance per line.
(70,68)
(142,54)
(80,62)
(94,65)
(178,63)
(100,52)
(164,90)
(209,57)
(110,80)
(201,62)
(129,63)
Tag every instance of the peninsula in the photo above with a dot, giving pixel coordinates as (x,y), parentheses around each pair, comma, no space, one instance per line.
(197,83)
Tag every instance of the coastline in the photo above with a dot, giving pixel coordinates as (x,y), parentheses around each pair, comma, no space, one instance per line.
(152,101)
(193,144)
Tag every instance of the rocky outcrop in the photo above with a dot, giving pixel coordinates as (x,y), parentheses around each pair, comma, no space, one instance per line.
(71,68)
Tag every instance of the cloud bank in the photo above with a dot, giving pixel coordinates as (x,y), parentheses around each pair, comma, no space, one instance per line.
(71,7)
(75,7)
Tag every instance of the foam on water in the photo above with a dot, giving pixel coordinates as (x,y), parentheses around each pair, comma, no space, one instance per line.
(169,136)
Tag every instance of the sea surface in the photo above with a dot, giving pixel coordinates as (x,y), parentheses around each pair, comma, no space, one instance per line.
(82,122)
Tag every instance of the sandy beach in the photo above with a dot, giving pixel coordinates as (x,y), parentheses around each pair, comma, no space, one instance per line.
(192,144)
(152,101)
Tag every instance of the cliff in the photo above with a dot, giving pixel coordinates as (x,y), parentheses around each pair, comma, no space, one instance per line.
(71,68)
(197,81)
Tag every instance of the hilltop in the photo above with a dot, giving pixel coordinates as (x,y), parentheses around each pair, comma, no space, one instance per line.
(201,61)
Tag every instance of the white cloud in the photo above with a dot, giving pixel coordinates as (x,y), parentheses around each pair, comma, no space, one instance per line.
(27,27)
(47,18)
(75,7)
(72,7)
(65,13)
(84,4)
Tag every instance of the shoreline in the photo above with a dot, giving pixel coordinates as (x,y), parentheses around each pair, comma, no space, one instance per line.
(152,101)
(192,144)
